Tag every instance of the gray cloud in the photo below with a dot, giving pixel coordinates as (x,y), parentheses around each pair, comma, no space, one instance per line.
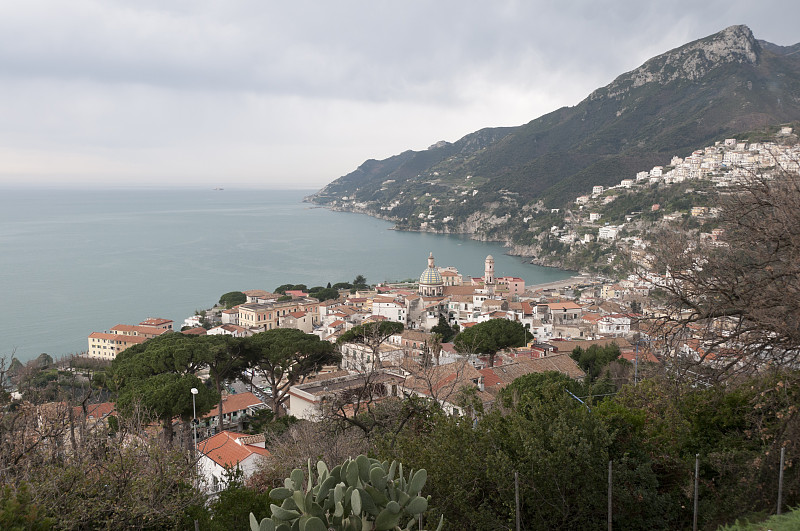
(198,91)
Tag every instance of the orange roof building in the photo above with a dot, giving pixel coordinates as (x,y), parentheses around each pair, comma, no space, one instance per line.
(227,450)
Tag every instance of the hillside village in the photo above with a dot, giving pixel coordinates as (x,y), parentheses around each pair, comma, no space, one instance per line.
(420,359)
(580,312)
(655,388)
(722,166)
(604,225)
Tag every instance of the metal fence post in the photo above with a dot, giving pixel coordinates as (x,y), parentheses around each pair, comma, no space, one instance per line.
(780,480)
(609,496)
(516,496)
(696,488)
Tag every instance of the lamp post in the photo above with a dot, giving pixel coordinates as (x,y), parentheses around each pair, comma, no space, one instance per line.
(194,419)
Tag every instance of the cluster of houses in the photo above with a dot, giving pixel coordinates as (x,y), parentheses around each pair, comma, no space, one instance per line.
(579,312)
(727,163)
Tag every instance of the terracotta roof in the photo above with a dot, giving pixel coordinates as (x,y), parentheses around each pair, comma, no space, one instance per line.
(95,411)
(118,337)
(568,346)
(459,290)
(297,315)
(227,450)
(448,348)
(495,378)
(453,375)
(233,328)
(338,381)
(155,321)
(237,402)
(563,306)
(416,335)
(645,354)
(198,331)
(142,330)
(257,293)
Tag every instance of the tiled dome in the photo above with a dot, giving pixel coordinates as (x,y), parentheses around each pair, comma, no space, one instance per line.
(431,276)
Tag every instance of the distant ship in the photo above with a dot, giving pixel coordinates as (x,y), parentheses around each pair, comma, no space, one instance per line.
(218,188)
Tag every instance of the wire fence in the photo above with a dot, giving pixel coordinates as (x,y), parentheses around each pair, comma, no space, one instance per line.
(696,497)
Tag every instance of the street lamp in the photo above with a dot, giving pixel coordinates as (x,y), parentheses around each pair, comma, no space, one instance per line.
(194,418)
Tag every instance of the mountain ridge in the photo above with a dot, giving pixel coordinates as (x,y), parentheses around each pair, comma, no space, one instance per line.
(707,89)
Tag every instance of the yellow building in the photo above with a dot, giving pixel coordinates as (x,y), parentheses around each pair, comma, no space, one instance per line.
(265,316)
(106,346)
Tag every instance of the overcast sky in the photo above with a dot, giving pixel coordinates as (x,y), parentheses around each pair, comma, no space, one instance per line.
(295,94)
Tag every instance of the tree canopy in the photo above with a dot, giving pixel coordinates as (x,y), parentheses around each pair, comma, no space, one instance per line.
(444,330)
(372,335)
(225,357)
(594,359)
(284,357)
(492,336)
(155,378)
(232,298)
(360,282)
(324,294)
(737,298)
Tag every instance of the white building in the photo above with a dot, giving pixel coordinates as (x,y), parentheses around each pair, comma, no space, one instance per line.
(614,325)
(608,233)
(389,308)
(193,321)
(228,450)
(230,330)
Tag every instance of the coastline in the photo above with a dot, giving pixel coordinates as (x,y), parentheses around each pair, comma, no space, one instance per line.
(512,249)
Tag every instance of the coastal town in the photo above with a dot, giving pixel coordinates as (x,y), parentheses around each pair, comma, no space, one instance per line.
(419,357)
(577,312)
(220,319)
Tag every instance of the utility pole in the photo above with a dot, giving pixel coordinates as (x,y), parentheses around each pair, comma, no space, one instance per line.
(516,495)
(194,419)
(780,480)
(609,496)
(696,488)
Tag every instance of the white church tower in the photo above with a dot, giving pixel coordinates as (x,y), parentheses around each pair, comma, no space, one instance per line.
(488,275)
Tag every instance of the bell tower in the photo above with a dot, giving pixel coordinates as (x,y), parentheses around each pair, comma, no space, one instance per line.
(488,274)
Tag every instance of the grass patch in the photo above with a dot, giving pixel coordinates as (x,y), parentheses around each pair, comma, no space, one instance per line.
(786,522)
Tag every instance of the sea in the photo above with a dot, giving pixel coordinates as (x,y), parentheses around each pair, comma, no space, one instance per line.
(77,261)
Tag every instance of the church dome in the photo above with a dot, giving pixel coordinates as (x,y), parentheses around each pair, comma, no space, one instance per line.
(431,276)
(430,281)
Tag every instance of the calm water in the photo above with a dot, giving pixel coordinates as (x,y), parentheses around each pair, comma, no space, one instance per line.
(77,261)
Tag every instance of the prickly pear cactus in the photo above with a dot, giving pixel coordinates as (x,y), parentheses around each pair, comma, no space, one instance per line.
(361,494)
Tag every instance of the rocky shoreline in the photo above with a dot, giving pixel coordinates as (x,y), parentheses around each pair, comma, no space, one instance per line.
(525,252)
